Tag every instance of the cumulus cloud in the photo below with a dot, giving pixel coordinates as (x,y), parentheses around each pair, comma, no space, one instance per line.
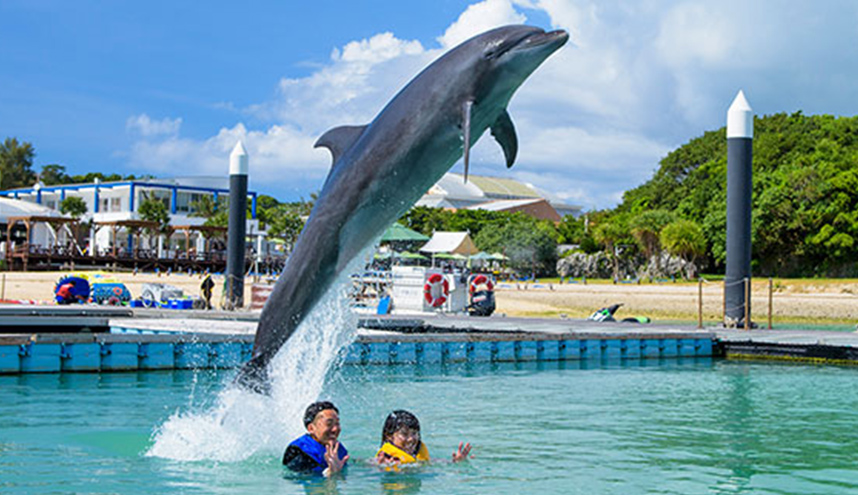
(276,153)
(636,80)
(360,77)
(480,17)
(146,127)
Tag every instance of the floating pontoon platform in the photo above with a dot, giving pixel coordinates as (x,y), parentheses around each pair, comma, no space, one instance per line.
(46,339)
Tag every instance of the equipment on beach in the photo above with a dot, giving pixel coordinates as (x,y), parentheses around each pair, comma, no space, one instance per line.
(96,287)
(607,314)
(482,295)
(168,296)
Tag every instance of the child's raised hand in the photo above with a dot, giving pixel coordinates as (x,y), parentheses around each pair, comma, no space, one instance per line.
(462,453)
(384,458)
(335,464)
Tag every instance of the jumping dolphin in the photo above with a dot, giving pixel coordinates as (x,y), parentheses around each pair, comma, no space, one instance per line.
(381,169)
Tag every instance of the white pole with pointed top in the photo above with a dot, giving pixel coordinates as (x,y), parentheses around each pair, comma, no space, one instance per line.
(235,262)
(740,139)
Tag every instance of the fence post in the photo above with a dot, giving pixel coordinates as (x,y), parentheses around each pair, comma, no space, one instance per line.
(700,302)
(770,302)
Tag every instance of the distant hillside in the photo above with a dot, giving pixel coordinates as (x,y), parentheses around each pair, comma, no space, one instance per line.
(805,203)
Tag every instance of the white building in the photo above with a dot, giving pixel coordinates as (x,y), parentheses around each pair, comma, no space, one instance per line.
(495,194)
(112,203)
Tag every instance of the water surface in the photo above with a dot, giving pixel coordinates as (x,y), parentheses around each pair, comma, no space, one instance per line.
(681,427)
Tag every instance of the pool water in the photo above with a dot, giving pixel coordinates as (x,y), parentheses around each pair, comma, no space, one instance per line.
(682,427)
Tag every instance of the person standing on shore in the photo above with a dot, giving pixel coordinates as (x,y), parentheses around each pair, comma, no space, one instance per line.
(206,290)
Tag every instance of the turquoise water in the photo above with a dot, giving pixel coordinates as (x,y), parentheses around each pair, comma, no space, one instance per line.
(682,427)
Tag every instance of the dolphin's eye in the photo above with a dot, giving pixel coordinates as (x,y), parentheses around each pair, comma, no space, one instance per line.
(494,49)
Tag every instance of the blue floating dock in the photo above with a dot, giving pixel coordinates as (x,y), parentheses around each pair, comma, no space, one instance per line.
(151,341)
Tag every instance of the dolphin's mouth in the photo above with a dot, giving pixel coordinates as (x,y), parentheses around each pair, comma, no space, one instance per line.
(531,40)
(555,39)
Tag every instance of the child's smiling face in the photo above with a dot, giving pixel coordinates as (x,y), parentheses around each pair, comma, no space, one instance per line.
(406,439)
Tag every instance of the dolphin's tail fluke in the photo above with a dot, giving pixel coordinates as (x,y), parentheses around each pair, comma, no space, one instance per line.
(253,376)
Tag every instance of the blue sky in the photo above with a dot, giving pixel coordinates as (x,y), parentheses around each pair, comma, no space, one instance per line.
(167,88)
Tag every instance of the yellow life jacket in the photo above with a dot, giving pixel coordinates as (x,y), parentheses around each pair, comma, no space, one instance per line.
(402,456)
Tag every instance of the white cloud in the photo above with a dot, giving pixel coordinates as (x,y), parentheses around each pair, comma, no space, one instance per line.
(147,127)
(350,89)
(379,48)
(698,34)
(637,80)
(480,17)
(278,153)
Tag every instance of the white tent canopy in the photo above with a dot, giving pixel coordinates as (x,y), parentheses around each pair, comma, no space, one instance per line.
(17,208)
(450,242)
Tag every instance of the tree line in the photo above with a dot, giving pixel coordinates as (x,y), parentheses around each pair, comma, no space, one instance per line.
(16,169)
(804,200)
(804,206)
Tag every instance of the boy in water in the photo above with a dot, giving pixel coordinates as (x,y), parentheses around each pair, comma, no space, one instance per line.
(318,451)
(401,444)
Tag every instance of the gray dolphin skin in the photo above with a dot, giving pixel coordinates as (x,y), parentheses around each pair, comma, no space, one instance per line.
(381,169)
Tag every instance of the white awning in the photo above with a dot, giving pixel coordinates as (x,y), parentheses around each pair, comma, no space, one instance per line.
(450,242)
(18,208)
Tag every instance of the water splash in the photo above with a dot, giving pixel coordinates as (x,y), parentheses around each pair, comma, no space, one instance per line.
(240,423)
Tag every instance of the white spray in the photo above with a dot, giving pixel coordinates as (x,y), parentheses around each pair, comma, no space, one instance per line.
(241,423)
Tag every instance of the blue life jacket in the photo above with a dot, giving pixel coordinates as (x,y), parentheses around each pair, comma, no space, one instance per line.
(305,454)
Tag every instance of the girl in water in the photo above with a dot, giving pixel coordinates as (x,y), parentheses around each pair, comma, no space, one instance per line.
(401,444)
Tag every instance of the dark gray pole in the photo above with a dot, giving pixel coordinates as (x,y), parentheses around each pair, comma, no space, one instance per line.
(237,226)
(740,138)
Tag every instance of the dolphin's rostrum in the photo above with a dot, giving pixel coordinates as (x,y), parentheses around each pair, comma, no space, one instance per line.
(381,169)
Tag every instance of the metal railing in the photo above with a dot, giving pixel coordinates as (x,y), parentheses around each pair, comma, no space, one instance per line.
(745,307)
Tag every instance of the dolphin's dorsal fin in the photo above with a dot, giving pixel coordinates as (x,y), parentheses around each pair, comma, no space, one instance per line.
(504,133)
(466,134)
(339,139)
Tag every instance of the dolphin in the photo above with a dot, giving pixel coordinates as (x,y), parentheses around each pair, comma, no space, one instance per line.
(381,169)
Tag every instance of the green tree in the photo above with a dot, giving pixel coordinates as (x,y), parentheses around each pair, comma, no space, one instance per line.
(16,164)
(530,244)
(73,206)
(54,174)
(92,176)
(684,238)
(286,225)
(153,210)
(646,227)
(426,220)
(216,214)
(612,234)
(573,230)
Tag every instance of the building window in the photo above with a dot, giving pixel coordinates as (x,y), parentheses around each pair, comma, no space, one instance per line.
(185,201)
(156,195)
(115,204)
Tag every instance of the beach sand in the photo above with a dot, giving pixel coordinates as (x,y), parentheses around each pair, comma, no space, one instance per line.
(830,300)
(39,286)
(792,300)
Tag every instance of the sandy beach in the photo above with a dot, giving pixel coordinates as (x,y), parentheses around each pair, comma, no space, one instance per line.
(800,300)
(38,286)
(833,301)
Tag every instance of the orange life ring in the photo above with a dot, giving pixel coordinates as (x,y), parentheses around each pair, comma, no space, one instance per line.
(436,290)
(117,291)
(481,279)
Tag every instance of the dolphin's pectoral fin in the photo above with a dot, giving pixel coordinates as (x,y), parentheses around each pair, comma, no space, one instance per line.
(339,139)
(466,134)
(504,133)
